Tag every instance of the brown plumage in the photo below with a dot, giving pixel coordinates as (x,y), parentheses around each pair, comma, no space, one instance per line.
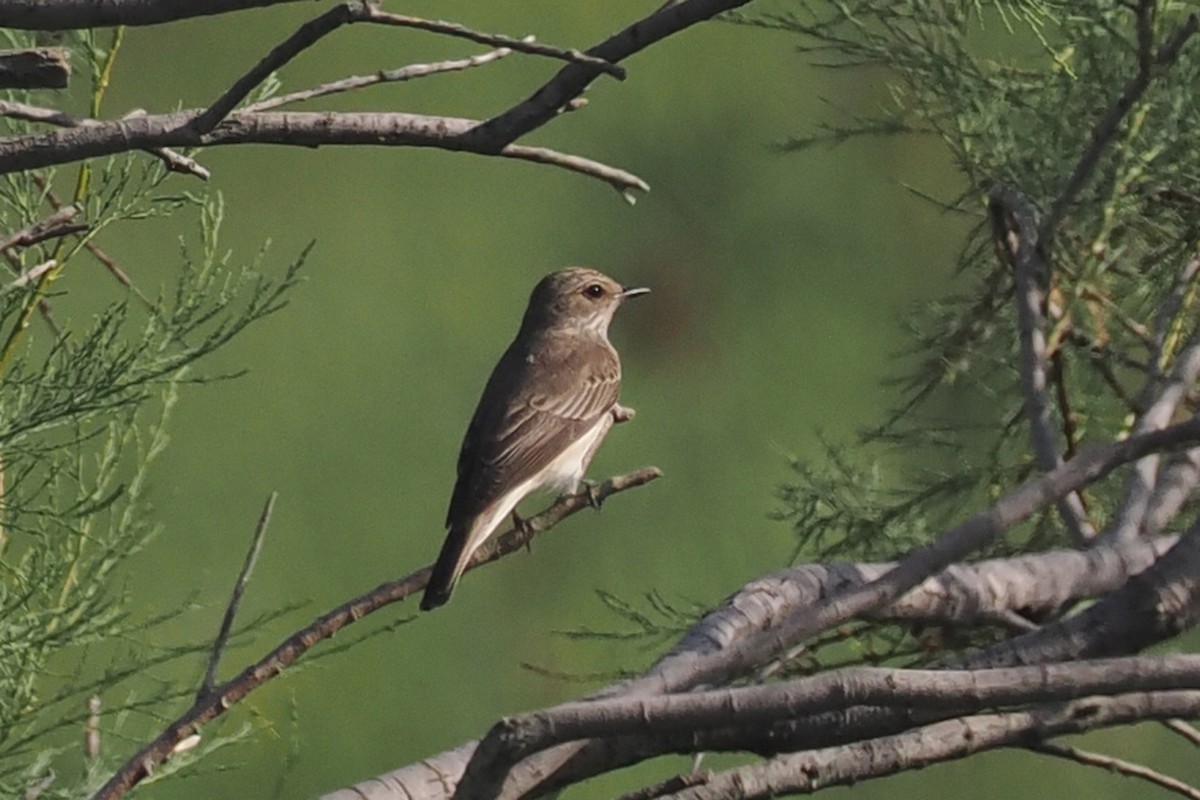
(548,405)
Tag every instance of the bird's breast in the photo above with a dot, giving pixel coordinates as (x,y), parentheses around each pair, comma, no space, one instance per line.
(567,469)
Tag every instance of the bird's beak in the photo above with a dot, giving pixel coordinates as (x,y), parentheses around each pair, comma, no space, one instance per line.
(627,293)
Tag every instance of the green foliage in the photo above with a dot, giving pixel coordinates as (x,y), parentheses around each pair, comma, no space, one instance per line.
(83,416)
(1089,111)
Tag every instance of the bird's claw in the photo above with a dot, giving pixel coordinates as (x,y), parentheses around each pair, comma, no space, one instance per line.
(622,413)
(591,490)
(521,524)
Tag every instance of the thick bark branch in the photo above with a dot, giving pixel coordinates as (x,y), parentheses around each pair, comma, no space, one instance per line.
(942,741)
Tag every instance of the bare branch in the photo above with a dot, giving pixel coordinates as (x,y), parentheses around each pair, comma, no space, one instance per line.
(1119,766)
(760,707)
(227,694)
(1184,729)
(36,68)
(1014,225)
(60,223)
(521,45)
(305,36)
(356,11)
(942,741)
(950,547)
(174,161)
(54,15)
(1163,601)
(570,82)
(235,599)
(1135,504)
(32,274)
(962,596)
(401,74)
(302,129)
(91,730)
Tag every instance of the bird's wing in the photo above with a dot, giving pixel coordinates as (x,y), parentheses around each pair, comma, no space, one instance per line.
(515,434)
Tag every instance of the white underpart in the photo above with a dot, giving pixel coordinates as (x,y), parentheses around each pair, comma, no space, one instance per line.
(564,473)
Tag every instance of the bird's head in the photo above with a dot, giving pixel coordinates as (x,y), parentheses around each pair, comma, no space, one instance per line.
(578,298)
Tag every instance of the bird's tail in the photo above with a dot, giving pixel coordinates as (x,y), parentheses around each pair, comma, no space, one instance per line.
(447,570)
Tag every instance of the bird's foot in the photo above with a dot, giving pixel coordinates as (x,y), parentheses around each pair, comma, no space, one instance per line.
(591,490)
(521,524)
(622,413)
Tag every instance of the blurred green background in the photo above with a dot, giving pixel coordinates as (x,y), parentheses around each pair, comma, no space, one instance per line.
(779,285)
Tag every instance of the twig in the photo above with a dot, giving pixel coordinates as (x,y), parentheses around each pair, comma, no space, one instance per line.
(570,82)
(406,73)
(1184,729)
(57,224)
(669,786)
(91,730)
(1119,766)
(1014,226)
(107,261)
(523,45)
(31,274)
(1175,486)
(1106,127)
(1164,322)
(353,11)
(227,694)
(235,599)
(35,791)
(1135,502)
(305,37)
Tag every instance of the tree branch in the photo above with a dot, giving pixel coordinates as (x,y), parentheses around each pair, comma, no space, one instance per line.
(1119,766)
(302,129)
(570,82)
(235,599)
(1106,127)
(406,73)
(54,15)
(931,744)
(756,708)
(214,703)
(1014,226)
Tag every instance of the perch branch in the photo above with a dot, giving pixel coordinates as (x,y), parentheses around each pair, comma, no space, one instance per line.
(227,694)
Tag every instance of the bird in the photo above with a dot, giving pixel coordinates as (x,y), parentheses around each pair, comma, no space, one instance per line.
(550,401)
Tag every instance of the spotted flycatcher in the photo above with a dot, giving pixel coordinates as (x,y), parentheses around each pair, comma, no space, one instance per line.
(549,403)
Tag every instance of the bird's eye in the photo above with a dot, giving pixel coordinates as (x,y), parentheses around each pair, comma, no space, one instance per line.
(593,290)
